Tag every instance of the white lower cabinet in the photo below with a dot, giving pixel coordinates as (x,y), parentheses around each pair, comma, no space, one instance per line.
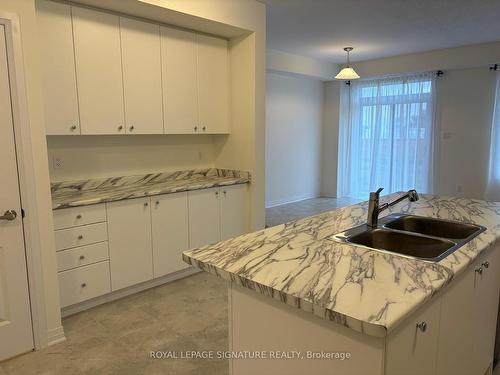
(110,246)
(468,318)
(204,218)
(81,284)
(233,211)
(130,252)
(169,220)
(411,348)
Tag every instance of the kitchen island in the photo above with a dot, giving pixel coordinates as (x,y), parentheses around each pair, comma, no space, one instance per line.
(294,288)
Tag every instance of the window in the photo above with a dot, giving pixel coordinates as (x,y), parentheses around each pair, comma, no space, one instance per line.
(493,188)
(386,135)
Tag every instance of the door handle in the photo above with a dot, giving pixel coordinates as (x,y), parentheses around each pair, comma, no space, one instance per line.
(9,215)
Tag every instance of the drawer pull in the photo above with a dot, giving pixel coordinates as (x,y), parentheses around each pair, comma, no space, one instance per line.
(84,285)
(422,326)
(145,204)
(82,257)
(479,270)
(486,264)
(80,237)
(78,216)
(157,203)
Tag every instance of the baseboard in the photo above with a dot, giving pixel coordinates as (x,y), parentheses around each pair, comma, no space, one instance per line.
(55,336)
(85,305)
(279,202)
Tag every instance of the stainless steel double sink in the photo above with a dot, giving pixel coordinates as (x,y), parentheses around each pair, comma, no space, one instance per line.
(412,236)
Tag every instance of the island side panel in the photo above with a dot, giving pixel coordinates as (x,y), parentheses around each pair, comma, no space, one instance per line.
(259,323)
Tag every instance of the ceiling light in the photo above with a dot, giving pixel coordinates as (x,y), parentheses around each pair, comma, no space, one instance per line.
(348,72)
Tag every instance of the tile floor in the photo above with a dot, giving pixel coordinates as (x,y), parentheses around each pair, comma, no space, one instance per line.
(293,211)
(117,337)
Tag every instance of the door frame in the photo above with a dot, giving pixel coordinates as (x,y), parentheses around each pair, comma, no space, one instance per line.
(27,177)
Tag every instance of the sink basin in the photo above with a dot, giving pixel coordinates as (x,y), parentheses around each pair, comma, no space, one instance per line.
(434,227)
(412,236)
(403,243)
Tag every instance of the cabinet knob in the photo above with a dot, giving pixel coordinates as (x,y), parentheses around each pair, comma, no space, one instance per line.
(82,257)
(486,264)
(131,128)
(479,270)
(145,204)
(204,128)
(195,128)
(78,216)
(120,128)
(225,192)
(157,203)
(73,127)
(84,285)
(422,326)
(216,193)
(80,237)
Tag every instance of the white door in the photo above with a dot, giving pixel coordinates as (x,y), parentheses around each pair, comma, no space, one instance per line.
(213,84)
(16,335)
(141,76)
(58,63)
(233,211)
(169,219)
(178,54)
(129,234)
(98,71)
(204,220)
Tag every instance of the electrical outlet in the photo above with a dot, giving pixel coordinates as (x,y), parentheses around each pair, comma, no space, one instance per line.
(57,162)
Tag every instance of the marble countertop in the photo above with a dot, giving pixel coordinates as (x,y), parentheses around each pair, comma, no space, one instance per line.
(369,291)
(92,191)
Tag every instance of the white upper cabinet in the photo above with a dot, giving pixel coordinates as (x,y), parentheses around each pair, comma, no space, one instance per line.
(169,219)
(58,64)
(98,71)
(140,43)
(213,84)
(180,99)
(233,211)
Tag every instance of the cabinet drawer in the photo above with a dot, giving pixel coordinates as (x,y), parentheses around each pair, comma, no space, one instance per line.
(82,256)
(84,283)
(72,217)
(79,236)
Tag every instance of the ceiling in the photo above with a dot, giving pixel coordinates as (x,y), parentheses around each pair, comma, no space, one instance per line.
(378,28)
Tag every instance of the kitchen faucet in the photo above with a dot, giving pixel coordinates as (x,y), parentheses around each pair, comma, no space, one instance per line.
(374,209)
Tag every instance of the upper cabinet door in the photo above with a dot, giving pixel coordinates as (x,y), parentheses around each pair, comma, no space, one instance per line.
(178,49)
(58,64)
(98,71)
(213,85)
(141,76)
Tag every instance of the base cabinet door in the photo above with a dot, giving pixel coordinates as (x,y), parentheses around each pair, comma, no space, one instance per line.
(412,347)
(233,211)
(487,294)
(204,220)
(169,219)
(457,327)
(129,232)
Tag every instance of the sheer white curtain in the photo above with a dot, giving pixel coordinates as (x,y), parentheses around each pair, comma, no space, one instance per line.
(493,188)
(386,135)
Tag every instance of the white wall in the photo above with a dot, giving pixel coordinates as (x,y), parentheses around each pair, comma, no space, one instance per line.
(293,138)
(105,156)
(465,106)
(278,61)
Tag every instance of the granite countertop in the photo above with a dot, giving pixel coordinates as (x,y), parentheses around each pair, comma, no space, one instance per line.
(369,291)
(92,191)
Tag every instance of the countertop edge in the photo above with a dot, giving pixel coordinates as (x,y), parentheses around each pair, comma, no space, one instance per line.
(146,193)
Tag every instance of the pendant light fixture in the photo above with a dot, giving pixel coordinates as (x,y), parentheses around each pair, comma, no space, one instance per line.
(348,72)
